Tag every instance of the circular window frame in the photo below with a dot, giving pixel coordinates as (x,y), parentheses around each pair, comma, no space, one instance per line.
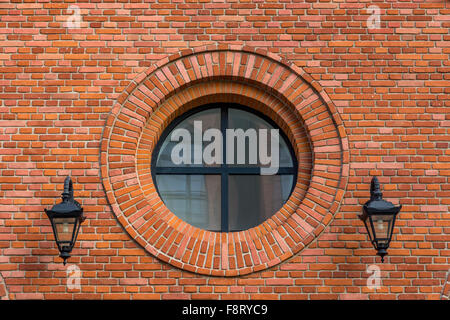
(220,106)
(222,74)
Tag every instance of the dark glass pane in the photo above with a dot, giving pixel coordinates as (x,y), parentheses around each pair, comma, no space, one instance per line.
(250,136)
(253,198)
(193,198)
(209,119)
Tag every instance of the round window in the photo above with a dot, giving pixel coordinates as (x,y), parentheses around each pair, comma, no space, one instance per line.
(224,167)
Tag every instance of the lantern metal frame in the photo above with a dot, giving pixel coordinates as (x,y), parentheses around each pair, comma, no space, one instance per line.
(68,208)
(377,207)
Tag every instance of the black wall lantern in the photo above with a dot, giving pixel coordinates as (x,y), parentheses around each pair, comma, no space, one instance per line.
(66,218)
(379,218)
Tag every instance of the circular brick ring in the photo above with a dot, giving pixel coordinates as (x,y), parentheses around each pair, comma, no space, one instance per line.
(223,73)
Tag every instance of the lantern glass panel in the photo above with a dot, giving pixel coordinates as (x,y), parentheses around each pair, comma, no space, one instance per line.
(368,225)
(382,227)
(64,228)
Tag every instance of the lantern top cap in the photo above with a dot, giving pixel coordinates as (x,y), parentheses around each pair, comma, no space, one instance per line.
(376,204)
(68,204)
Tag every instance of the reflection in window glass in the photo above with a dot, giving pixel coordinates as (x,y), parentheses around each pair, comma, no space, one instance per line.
(192,198)
(239,119)
(209,119)
(253,198)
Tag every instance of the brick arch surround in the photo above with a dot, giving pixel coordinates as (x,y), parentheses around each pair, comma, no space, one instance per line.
(223,73)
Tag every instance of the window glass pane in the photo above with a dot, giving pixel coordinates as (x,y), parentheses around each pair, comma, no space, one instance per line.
(193,198)
(251,125)
(253,198)
(194,192)
(209,119)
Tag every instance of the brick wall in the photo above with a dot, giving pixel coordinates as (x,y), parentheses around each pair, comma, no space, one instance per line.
(390,86)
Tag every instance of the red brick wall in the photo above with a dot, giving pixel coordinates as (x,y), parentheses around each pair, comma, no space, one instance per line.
(390,86)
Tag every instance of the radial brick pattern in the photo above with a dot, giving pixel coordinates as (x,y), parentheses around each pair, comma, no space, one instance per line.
(224,74)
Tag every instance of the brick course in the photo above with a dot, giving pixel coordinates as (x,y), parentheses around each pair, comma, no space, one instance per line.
(390,88)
